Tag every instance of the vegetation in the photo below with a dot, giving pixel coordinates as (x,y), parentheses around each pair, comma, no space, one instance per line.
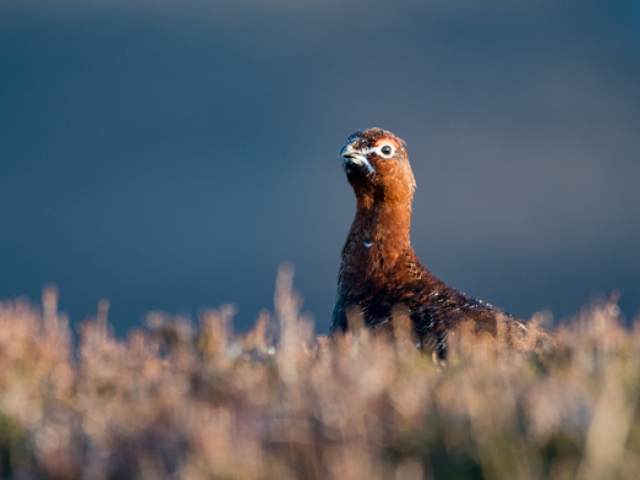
(176,401)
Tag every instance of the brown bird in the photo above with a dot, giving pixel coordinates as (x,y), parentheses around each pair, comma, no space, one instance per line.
(380,270)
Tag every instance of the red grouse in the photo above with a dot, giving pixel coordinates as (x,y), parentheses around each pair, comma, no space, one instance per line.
(380,270)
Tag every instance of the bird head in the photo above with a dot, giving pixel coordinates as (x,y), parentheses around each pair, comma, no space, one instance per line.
(377,166)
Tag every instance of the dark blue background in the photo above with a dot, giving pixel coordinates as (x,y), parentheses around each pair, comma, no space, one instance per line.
(172,156)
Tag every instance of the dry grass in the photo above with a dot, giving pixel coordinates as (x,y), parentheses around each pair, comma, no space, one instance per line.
(174,401)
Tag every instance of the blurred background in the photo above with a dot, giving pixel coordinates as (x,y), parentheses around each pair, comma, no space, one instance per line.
(170,155)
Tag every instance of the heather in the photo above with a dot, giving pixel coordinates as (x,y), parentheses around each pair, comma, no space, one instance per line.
(194,400)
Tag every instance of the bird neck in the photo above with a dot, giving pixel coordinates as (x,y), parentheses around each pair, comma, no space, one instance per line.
(382,225)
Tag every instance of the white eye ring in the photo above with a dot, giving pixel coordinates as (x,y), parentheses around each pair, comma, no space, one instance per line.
(385,150)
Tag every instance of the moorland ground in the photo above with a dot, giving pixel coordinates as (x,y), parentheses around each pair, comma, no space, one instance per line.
(178,400)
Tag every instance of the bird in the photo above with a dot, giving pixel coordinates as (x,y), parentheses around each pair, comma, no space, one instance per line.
(379,269)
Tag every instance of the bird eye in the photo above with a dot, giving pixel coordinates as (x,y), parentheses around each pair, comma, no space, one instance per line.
(386,150)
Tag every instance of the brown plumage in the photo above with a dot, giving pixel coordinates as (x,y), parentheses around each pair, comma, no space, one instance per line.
(380,271)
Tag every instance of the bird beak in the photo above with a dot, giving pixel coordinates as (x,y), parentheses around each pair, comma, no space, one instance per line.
(347,151)
(355,157)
